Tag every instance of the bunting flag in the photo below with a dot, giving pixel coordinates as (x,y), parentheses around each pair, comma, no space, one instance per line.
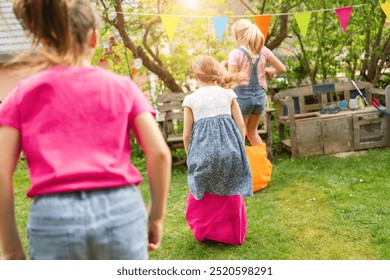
(303,20)
(170,24)
(220,24)
(263,22)
(344,14)
(386,9)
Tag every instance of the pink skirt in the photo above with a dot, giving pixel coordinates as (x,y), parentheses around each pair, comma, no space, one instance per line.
(218,218)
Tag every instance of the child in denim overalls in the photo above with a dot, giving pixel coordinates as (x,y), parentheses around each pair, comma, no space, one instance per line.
(251,57)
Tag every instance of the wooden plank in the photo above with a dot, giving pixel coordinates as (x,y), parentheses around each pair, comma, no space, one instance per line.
(309,137)
(377,91)
(313,107)
(175,145)
(169,107)
(174,116)
(160,117)
(262,133)
(296,92)
(347,95)
(348,86)
(270,110)
(169,97)
(286,143)
(324,98)
(306,115)
(323,88)
(174,138)
(301,101)
(337,134)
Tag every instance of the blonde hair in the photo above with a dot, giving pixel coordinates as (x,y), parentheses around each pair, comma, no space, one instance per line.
(63,27)
(249,35)
(207,70)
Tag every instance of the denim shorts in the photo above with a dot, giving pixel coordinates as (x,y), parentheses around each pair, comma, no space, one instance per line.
(108,224)
(251,99)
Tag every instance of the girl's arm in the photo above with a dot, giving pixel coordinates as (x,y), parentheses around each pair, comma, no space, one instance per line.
(10,243)
(187,127)
(237,116)
(158,159)
(278,67)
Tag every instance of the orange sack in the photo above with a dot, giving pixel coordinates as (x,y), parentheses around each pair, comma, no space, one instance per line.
(261,167)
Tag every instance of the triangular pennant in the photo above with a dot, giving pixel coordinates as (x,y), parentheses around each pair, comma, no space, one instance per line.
(263,22)
(170,24)
(303,20)
(386,8)
(220,24)
(344,14)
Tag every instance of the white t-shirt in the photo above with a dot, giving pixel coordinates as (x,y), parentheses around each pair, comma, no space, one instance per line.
(210,101)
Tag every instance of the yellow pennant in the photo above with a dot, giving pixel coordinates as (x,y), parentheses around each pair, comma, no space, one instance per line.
(170,24)
(386,8)
(303,21)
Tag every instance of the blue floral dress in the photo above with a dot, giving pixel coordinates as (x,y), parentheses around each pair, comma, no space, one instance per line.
(216,160)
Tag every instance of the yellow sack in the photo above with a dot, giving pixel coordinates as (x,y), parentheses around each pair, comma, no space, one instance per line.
(261,167)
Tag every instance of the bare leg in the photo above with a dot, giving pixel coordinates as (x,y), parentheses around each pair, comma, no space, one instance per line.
(251,124)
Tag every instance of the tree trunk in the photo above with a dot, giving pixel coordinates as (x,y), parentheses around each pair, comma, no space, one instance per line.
(374,61)
(154,66)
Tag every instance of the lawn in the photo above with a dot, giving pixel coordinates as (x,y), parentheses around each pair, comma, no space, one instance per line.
(317,208)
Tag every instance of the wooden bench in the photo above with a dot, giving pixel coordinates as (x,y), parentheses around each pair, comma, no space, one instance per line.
(170,119)
(312,133)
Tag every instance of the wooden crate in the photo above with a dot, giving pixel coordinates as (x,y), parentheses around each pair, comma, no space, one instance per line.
(312,133)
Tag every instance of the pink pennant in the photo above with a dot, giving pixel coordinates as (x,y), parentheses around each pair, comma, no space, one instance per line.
(344,14)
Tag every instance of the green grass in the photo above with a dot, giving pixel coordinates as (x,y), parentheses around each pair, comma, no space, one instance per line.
(317,208)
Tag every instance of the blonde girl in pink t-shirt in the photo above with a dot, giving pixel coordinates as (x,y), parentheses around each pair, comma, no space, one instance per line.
(251,57)
(73,123)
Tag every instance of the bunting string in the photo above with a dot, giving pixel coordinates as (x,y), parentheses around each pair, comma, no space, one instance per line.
(233,16)
(171,21)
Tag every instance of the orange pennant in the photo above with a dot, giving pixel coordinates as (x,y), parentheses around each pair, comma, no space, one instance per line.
(263,22)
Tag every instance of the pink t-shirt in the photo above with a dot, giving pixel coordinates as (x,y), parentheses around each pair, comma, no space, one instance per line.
(238,58)
(74,125)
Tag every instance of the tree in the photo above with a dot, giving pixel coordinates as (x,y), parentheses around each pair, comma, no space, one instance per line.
(376,47)
(150,58)
(326,51)
(145,36)
(322,55)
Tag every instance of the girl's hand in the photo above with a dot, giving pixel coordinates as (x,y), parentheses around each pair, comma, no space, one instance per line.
(269,73)
(155,234)
(16,255)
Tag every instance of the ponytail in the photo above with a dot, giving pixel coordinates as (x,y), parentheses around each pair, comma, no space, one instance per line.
(254,39)
(207,70)
(47,21)
(228,80)
(249,35)
(62,27)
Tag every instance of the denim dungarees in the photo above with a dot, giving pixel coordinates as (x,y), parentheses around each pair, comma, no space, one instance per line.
(252,97)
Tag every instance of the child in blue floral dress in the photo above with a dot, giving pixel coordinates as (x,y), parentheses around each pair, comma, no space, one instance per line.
(219,174)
